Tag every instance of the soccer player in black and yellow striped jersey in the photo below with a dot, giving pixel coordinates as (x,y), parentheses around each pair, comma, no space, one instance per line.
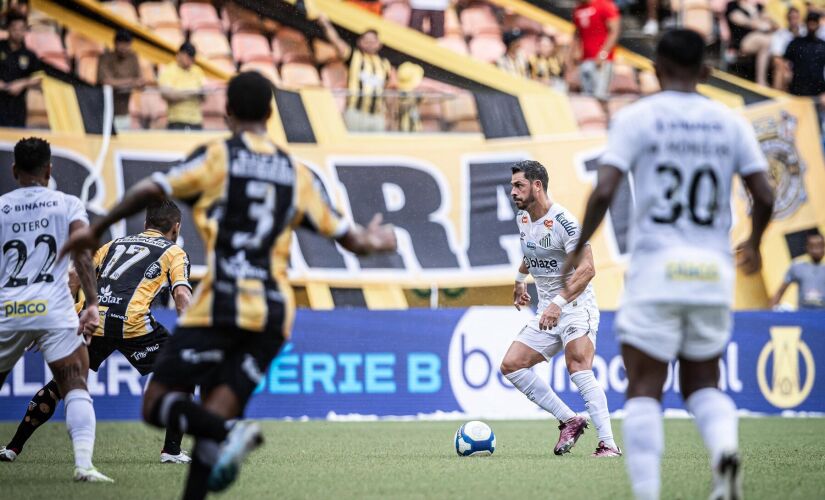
(131,272)
(247,196)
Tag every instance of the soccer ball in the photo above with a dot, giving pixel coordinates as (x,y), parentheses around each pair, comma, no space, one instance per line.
(475,439)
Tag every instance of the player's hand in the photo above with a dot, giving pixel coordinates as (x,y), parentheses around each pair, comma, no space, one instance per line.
(550,317)
(89,321)
(748,257)
(520,295)
(381,237)
(82,239)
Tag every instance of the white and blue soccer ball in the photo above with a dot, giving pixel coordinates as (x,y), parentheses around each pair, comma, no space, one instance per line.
(475,439)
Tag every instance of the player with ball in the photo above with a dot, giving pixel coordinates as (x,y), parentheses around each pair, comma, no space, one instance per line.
(566,319)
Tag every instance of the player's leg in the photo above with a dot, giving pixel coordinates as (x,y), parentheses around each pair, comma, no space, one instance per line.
(579,354)
(650,335)
(12,347)
(70,371)
(714,411)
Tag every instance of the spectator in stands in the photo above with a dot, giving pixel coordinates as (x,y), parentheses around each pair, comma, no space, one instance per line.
(369,75)
(18,66)
(546,65)
(806,54)
(597,31)
(750,33)
(428,9)
(121,70)
(410,76)
(779,43)
(651,26)
(513,60)
(808,272)
(181,85)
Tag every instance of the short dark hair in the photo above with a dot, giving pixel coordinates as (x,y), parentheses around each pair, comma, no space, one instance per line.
(32,155)
(13,16)
(249,96)
(812,17)
(162,215)
(791,10)
(123,35)
(533,171)
(188,48)
(683,48)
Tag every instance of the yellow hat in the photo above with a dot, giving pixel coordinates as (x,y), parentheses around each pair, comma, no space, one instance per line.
(409,76)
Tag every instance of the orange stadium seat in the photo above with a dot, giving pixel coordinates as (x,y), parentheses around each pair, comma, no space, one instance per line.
(170,34)
(588,112)
(266,68)
(214,107)
(36,105)
(159,15)
(460,108)
(248,47)
(398,12)
(479,19)
(86,68)
(123,9)
(48,47)
(196,16)
(466,126)
(148,108)
(78,46)
(455,43)
(618,102)
(334,75)
(648,83)
(211,45)
(488,48)
(624,80)
(147,71)
(452,25)
(297,74)
(290,46)
(324,52)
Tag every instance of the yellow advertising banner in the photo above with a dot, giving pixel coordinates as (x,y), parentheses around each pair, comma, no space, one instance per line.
(449,197)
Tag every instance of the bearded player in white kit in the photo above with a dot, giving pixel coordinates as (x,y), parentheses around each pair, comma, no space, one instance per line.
(683,151)
(36,305)
(565,320)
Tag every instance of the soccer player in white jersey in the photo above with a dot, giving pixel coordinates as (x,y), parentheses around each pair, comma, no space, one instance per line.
(36,305)
(565,320)
(683,151)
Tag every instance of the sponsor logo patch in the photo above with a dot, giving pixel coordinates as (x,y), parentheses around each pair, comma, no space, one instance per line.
(105,296)
(26,309)
(152,271)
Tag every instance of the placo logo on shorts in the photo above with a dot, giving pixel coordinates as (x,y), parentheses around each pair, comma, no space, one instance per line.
(26,309)
(785,389)
(478,345)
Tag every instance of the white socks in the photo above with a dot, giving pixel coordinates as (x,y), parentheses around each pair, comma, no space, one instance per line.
(644,442)
(716,418)
(596,403)
(540,393)
(80,421)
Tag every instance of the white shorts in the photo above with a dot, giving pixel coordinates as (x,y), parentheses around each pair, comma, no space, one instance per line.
(574,322)
(54,345)
(665,331)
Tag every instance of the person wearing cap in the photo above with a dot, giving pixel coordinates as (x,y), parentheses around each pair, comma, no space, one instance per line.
(409,78)
(181,85)
(120,69)
(513,60)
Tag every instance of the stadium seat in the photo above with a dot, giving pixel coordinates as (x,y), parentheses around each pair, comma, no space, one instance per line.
(37,117)
(431,125)
(624,80)
(149,108)
(290,46)
(455,43)
(698,16)
(86,68)
(247,47)
(452,25)
(648,83)
(324,52)
(398,12)
(488,48)
(297,74)
(171,34)
(211,45)
(159,15)
(618,102)
(266,68)
(39,21)
(199,17)
(479,19)
(147,71)
(123,9)
(78,46)
(465,126)
(588,112)
(48,47)
(461,106)
(334,75)
(214,107)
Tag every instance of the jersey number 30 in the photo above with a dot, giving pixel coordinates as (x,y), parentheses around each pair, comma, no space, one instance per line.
(701,206)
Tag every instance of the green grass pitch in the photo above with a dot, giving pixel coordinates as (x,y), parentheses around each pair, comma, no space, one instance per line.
(783,459)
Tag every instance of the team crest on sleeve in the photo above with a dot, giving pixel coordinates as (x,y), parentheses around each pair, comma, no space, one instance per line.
(152,271)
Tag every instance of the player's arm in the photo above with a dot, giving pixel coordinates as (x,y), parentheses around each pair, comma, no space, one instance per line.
(582,275)
(609,178)
(520,295)
(779,293)
(182,296)
(82,257)
(613,29)
(376,237)
(748,256)
(179,279)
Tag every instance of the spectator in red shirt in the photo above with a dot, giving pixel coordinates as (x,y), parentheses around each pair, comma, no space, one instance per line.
(597,30)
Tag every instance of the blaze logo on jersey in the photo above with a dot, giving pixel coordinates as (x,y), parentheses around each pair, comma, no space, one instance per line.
(105,296)
(26,309)
(541,263)
(153,271)
(566,224)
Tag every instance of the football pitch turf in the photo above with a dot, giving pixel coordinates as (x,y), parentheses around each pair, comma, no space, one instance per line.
(783,459)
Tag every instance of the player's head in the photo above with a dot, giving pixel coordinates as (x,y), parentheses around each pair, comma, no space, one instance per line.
(815,246)
(16,24)
(32,160)
(680,58)
(165,217)
(248,99)
(369,42)
(529,181)
(123,42)
(186,55)
(812,23)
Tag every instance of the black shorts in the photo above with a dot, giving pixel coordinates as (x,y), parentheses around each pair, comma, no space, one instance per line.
(213,356)
(142,352)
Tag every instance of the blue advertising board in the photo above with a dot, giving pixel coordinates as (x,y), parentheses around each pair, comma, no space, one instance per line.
(421,363)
